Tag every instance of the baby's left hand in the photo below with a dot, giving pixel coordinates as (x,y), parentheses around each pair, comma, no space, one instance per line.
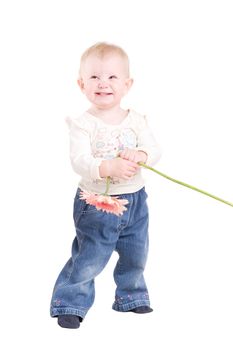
(133,155)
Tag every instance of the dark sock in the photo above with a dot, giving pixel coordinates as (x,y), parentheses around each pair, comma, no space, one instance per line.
(141,309)
(69,321)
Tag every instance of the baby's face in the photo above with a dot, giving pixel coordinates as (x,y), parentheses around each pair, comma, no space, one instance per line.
(105,80)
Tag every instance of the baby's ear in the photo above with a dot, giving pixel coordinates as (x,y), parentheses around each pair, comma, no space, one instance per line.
(129,83)
(80,83)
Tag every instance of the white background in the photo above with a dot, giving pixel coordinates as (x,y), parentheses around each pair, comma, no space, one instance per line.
(181,58)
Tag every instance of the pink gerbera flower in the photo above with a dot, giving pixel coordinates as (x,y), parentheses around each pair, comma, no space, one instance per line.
(105,202)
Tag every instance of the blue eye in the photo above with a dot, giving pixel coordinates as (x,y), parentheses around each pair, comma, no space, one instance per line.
(112,77)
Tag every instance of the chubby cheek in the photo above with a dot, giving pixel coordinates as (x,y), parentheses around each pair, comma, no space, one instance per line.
(122,89)
(120,93)
(90,92)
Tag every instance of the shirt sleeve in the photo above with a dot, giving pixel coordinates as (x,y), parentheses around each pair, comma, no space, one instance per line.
(147,142)
(82,160)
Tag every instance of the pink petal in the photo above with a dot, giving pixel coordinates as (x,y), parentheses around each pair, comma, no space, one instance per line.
(104,202)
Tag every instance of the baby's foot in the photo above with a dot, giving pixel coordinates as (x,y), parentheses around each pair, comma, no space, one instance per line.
(69,321)
(142,309)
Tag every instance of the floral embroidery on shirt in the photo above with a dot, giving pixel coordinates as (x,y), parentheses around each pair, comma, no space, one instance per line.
(108,143)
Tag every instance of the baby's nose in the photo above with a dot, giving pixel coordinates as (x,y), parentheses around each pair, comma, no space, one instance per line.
(102,84)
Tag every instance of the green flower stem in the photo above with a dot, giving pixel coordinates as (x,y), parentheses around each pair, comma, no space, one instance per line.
(184,184)
(107,186)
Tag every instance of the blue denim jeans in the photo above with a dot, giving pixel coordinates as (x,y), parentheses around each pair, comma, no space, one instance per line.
(98,235)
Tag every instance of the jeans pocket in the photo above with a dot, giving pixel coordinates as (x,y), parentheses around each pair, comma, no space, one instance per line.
(144,193)
(78,207)
(89,209)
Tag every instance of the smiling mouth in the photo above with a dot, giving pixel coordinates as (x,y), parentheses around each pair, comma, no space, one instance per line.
(103,93)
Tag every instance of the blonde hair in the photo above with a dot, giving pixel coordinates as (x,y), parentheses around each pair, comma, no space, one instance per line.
(102,49)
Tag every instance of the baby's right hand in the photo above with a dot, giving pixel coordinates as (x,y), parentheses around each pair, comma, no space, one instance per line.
(118,167)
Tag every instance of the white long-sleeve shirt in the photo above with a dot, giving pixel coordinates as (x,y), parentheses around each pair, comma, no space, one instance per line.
(92,141)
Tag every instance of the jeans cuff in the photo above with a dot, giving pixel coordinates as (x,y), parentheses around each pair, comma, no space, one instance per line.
(128,303)
(54,312)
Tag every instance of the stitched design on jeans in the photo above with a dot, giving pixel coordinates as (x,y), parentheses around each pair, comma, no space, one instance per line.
(130,297)
(57,302)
